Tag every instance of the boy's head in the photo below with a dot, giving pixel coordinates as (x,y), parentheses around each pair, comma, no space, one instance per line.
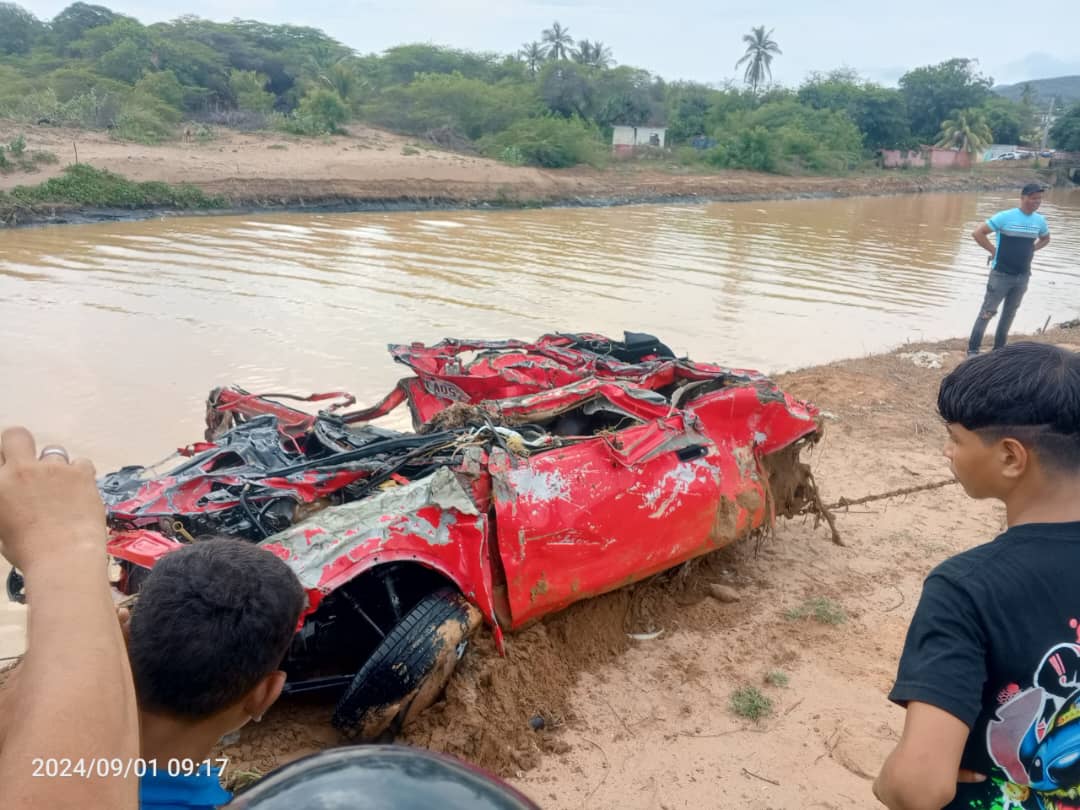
(210,629)
(1012,414)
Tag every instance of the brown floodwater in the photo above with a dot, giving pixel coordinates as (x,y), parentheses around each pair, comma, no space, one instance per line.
(111,335)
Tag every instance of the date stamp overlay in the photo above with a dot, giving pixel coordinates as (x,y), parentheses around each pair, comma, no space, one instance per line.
(105,768)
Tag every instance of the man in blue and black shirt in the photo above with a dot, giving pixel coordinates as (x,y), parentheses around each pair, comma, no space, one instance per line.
(1020,232)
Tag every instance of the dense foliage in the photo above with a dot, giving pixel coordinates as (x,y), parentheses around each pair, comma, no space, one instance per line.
(553,103)
(1065,134)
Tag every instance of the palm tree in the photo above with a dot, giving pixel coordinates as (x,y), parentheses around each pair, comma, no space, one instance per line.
(344,79)
(559,42)
(595,54)
(967,131)
(532,54)
(760,49)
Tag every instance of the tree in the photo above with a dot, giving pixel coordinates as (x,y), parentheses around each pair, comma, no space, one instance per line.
(75,20)
(19,29)
(760,49)
(966,130)
(163,86)
(625,95)
(934,91)
(593,54)
(343,78)
(1006,120)
(127,62)
(689,106)
(533,54)
(559,42)
(322,112)
(567,89)
(879,112)
(1065,134)
(249,90)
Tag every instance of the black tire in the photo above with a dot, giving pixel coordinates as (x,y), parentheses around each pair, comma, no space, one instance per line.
(16,587)
(409,669)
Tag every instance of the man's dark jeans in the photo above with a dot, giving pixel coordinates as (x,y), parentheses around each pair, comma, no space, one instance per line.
(1002,287)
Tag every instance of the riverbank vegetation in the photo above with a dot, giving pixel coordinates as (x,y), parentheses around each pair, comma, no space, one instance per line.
(552,103)
(84,186)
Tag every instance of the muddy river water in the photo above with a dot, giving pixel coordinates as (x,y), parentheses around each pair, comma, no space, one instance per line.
(112,334)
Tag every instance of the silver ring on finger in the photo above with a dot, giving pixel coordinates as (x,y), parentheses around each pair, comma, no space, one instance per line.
(55,450)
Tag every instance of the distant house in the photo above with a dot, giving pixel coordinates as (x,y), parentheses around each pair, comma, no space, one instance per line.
(624,140)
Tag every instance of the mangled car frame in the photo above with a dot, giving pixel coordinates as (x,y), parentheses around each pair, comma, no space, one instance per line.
(538,474)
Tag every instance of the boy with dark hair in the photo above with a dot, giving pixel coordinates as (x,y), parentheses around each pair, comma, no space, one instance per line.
(990,673)
(206,637)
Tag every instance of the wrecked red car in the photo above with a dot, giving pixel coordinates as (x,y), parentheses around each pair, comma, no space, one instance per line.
(538,474)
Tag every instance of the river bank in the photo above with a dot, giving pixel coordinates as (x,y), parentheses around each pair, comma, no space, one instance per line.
(374,170)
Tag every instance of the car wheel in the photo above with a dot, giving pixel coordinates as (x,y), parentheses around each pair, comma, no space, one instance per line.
(16,587)
(409,669)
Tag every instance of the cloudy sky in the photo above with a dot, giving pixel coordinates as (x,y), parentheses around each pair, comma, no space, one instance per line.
(691,39)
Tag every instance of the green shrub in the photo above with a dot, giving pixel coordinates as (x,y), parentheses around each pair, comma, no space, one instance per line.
(321,112)
(84,185)
(249,89)
(754,149)
(18,145)
(551,142)
(750,703)
(145,121)
(163,86)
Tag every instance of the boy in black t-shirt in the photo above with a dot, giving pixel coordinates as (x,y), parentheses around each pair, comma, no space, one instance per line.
(990,673)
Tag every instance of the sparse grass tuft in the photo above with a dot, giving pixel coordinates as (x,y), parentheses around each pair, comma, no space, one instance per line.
(750,703)
(820,609)
(777,678)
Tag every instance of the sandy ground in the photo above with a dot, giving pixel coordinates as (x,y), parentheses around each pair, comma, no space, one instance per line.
(374,166)
(648,724)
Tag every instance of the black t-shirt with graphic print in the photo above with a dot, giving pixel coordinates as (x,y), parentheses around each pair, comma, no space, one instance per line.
(995,641)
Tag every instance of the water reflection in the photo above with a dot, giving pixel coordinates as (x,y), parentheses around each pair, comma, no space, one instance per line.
(112,334)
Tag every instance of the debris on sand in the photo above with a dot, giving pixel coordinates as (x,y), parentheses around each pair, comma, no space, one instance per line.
(723,593)
(925,359)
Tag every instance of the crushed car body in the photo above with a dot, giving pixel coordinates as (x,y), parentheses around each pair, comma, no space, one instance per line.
(537,474)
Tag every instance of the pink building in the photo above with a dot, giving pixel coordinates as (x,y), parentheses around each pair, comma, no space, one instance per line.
(928,156)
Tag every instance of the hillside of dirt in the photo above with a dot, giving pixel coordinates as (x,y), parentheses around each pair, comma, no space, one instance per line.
(817,629)
(372,168)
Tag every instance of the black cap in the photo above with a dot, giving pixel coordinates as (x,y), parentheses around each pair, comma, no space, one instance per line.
(1032,188)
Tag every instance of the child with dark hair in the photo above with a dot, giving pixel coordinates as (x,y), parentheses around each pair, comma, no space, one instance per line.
(990,673)
(206,639)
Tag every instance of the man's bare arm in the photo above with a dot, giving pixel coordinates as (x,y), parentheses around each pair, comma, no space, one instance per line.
(1042,242)
(73,697)
(982,236)
(922,772)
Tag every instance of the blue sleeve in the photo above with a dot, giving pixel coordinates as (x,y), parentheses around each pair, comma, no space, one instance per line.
(944,658)
(997,221)
(1045,229)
